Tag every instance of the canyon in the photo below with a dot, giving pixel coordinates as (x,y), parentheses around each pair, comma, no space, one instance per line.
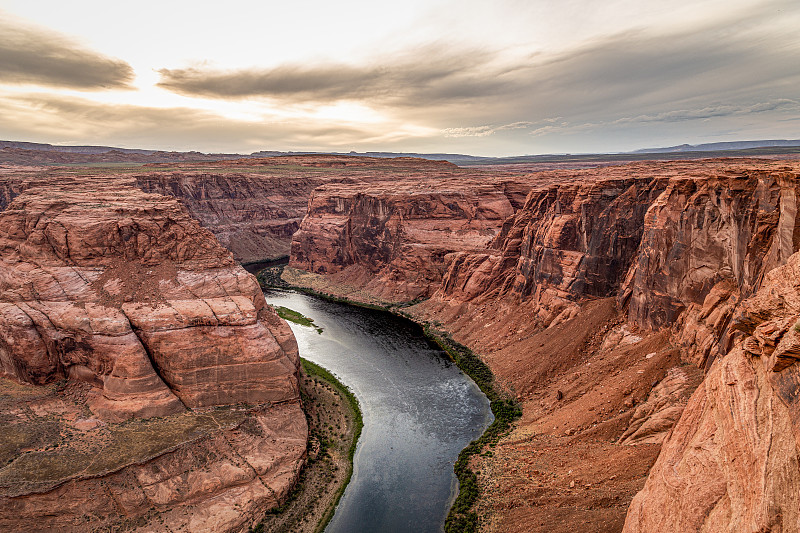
(613,303)
(643,316)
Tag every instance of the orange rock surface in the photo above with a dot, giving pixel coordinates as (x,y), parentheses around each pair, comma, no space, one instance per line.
(392,236)
(122,293)
(679,246)
(636,311)
(733,461)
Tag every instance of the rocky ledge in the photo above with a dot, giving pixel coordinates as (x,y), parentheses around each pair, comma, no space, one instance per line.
(602,301)
(121,306)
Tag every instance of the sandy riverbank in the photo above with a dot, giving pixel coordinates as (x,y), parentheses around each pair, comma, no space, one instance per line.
(334,423)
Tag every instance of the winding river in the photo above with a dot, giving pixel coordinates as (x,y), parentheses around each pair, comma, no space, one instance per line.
(419,412)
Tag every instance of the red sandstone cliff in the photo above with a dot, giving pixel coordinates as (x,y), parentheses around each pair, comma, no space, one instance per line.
(679,245)
(253,206)
(391,237)
(732,463)
(253,215)
(136,311)
(599,297)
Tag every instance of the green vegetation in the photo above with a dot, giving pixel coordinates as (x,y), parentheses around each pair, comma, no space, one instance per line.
(461,517)
(298,318)
(118,445)
(329,450)
(316,370)
(38,433)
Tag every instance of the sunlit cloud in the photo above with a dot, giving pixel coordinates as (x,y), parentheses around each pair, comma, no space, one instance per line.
(483,131)
(601,80)
(610,87)
(401,79)
(32,55)
(134,125)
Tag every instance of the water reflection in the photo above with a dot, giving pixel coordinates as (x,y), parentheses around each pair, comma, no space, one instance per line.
(419,409)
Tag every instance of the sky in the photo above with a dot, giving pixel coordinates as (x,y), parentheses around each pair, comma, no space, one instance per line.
(500,77)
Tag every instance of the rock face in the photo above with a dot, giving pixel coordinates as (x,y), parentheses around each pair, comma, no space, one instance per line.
(708,243)
(661,236)
(121,290)
(684,248)
(191,472)
(253,215)
(567,242)
(392,237)
(653,419)
(631,230)
(601,297)
(255,205)
(732,463)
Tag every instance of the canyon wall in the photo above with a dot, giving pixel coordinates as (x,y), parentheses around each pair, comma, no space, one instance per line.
(682,247)
(254,205)
(627,308)
(391,237)
(116,307)
(732,463)
(252,215)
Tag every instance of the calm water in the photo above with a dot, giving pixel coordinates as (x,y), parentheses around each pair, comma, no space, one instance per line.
(419,410)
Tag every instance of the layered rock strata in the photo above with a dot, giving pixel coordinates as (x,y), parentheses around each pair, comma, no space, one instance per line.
(123,292)
(679,245)
(392,237)
(253,205)
(732,463)
(253,215)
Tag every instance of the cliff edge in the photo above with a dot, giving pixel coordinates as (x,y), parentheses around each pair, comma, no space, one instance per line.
(145,380)
(614,303)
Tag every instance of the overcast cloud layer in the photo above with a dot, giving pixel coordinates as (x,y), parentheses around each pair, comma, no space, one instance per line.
(721,77)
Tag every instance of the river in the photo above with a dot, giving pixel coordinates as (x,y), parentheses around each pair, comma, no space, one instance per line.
(419,412)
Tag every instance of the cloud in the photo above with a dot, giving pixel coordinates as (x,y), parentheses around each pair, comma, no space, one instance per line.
(424,75)
(713,111)
(467,93)
(37,56)
(679,85)
(484,131)
(705,113)
(65,119)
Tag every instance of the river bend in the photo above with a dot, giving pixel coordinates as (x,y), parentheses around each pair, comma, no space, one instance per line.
(419,412)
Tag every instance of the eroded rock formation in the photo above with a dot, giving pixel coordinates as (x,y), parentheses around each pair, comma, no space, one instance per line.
(391,237)
(679,245)
(732,463)
(253,215)
(123,297)
(253,205)
(600,298)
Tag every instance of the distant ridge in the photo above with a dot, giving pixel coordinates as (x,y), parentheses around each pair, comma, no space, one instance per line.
(43,147)
(453,158)
(728,145)
(30,153)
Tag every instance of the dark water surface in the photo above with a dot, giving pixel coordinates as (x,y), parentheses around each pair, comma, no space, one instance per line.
(419,411)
